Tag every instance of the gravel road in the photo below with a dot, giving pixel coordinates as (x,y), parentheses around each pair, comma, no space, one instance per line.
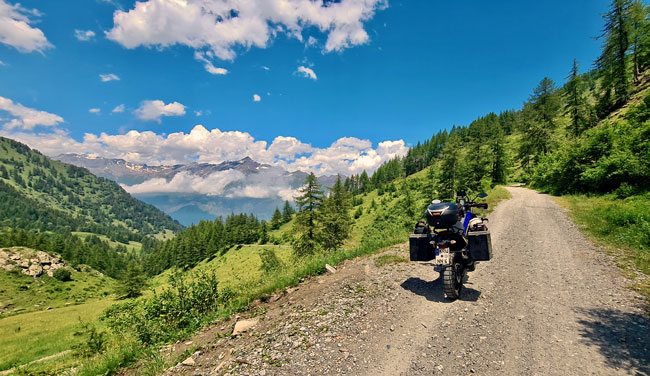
(549,303)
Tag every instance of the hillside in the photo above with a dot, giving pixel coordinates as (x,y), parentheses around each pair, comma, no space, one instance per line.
(38,193)
(29,284)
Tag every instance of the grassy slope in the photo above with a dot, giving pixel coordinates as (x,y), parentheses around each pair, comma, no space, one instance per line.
(29,331)
(34,335)
(21,294)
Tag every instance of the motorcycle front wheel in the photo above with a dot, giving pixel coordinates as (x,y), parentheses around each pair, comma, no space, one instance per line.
(452,280)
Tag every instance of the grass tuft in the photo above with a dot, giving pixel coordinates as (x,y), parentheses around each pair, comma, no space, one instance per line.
(389,259)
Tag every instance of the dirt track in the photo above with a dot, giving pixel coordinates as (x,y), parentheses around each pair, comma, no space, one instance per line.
(549,303)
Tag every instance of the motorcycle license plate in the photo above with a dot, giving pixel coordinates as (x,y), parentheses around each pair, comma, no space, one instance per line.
(443,257)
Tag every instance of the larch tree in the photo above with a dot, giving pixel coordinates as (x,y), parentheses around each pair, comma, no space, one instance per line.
(576,104)
(306,227)
(335,217)
(616,42)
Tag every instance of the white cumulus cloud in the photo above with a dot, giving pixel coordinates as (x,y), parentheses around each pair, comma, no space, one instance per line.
(108,77)
(94,110)
(15,29)
(154,109)
(221,26)
(307,72)
(346,156)
(84,35)
(26,118)
(118,109)
(256,98)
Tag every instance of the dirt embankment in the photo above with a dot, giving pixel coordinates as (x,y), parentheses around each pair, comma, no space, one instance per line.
(549,303)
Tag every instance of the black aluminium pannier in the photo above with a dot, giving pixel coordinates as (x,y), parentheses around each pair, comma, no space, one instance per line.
(480,245)
(421,248)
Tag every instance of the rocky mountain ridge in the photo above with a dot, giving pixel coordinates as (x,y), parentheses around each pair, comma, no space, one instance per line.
(202,191)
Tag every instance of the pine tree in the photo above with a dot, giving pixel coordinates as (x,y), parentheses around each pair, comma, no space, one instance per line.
(264,233)
(287,212)
(446,180)
(545,102)
(538,122)
(277,219)
(133,281)
(364,182)
(638,30)
(335,217)
(307,232)
(576,103)
(612,61)
(408,202)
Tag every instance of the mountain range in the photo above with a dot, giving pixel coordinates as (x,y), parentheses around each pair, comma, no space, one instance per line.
(201,191)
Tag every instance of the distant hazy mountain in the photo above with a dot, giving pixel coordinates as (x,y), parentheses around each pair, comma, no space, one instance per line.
(190,193)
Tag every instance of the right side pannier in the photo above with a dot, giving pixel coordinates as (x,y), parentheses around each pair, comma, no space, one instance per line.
(480,245)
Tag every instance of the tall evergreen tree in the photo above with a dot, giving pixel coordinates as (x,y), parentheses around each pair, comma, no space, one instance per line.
(287,211)
(576,103)
(545,102)
(277,219)
(446,180)
(364,182)
(638,36)
(306,228)
(133,281)
(335,218)
(264,233)
(612,61)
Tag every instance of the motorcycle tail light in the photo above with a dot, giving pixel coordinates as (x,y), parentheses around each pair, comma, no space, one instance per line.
(443,246)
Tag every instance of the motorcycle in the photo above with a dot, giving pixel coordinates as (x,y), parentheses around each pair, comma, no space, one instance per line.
(459,240)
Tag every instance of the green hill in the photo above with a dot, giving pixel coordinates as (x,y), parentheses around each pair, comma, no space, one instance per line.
(60,208)
(42,194)
(21,292)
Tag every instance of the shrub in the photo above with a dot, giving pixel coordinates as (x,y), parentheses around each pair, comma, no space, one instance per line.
(176,311)
(270,261)
(62,274)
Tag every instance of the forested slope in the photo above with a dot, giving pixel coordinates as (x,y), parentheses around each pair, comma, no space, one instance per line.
(42,202)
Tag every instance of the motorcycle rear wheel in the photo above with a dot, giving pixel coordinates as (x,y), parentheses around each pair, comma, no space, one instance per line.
(452,280)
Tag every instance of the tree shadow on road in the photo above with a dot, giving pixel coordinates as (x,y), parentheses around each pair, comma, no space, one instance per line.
(622,337)
(432,290)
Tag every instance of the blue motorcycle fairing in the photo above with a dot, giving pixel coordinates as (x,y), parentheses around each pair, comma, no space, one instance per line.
(468,217)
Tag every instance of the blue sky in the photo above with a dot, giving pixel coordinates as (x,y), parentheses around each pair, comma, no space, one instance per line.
(424,66)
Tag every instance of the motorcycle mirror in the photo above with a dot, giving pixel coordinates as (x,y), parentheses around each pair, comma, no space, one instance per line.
(482,195)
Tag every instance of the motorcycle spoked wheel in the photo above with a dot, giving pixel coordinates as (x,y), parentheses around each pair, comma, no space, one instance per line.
(452,280)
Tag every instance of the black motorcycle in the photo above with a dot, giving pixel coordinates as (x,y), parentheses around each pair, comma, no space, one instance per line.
(458,241)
